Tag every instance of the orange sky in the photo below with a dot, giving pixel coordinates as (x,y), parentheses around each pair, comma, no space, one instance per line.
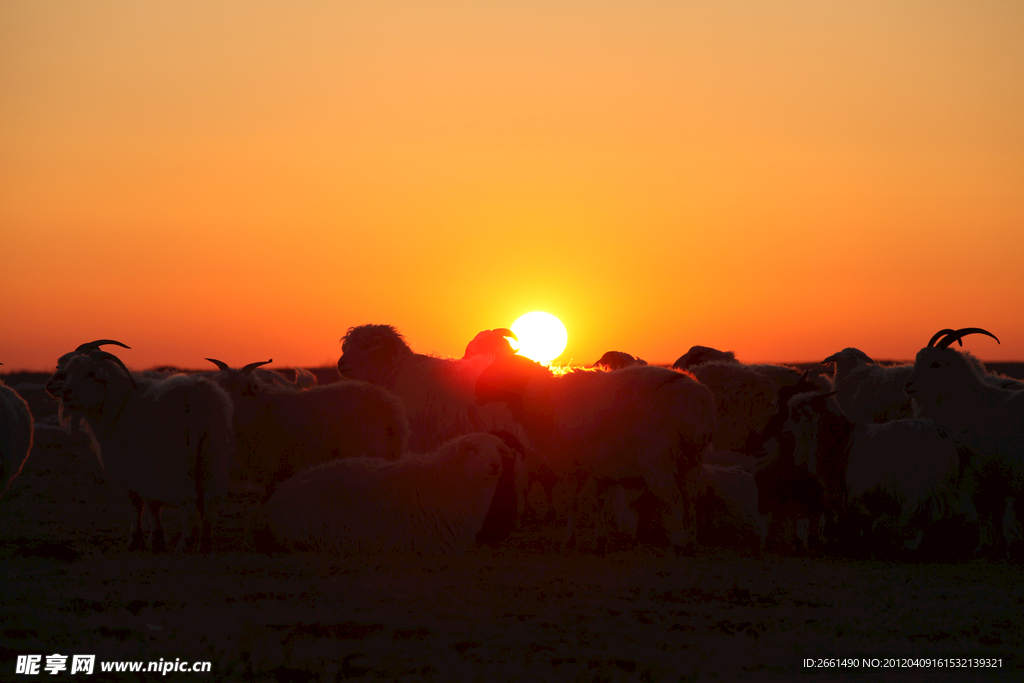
(249,179)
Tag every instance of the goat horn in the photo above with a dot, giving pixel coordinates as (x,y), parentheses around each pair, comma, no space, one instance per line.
(940,333)
(219,363)
(252,366)
(109,356)
(94,345)
(963,332)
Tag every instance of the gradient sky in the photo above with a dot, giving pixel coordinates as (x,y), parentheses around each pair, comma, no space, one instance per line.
(247,180)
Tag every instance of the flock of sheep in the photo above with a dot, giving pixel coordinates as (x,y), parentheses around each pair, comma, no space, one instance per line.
(418,453)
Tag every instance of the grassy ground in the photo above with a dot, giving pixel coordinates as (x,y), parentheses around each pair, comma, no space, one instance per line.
(519,611)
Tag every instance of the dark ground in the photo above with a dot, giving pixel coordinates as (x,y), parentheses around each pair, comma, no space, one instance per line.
(519,611)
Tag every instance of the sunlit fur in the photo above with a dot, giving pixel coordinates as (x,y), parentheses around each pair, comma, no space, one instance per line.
(168,441)
(640,421)
(15,434)
(431,503)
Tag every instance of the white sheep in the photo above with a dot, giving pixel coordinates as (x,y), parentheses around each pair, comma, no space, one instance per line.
(304,379)
(55,384)
(745,395)
(281,430)
(168,441)
(908,470)
(598,428)
(951,390)
(434,503)
(15,434)
(437,392)
(866,391)
(744,403)
(871,393)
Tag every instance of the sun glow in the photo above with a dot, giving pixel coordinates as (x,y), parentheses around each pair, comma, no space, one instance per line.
(542,336)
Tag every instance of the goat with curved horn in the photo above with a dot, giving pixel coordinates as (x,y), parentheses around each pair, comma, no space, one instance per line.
(252,366)
(958,335)
(117,361)
(940,333)
(94,345)
(987,413)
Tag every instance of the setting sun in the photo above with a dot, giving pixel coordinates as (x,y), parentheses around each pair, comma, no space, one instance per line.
(542,336)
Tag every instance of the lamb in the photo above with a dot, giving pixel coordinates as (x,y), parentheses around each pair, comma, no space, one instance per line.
(437,393)
(951,390)
(167,441)
(616,360)
(603,427)
(434,503)
(15,434)
(282,430)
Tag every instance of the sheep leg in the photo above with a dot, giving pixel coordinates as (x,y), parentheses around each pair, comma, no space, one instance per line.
(206,527)
(187,528)
(679,492)
(588,501)
(136,540)
(157,539)
(573,502)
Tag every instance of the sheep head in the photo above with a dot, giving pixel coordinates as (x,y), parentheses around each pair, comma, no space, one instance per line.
(702,354)
(55,384)
(371,353)
(92,380)
(848,359)
(941,372)
(505,380)
(804,423)
(238,382)
(616,360)
(481,456)
(491,342)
